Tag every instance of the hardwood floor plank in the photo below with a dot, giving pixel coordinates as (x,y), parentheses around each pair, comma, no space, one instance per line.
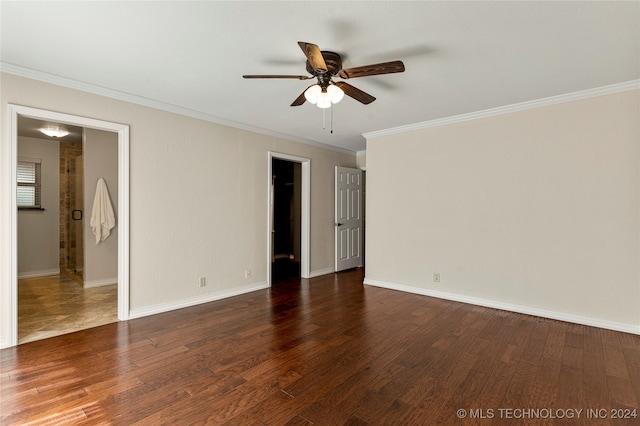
(494,390)
(498,340)
(371,377)
(632,359)
(276,409)
(467,390)
(595,381)
(534,348)
(615,362)
(40,408)
(555,341)
(518,393)
(322,351)
(621,392)
(570,385)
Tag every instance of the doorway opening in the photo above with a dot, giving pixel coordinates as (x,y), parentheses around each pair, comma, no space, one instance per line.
(56,294)
(286,177)
(288,217)
(120,189)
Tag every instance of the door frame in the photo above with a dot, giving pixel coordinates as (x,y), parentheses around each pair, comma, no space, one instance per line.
(305,214)
(122,131)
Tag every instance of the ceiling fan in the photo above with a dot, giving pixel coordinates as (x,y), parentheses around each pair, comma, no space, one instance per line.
(323,66)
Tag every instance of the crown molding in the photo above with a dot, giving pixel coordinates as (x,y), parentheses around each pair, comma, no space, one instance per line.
(151,103)
(552,100)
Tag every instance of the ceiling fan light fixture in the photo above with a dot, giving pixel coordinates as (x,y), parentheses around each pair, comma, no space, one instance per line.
(312,94)
(323,97)
(324,101)
(335,93)
(54,131)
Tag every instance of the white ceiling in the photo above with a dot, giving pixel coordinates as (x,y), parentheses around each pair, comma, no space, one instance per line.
(460,57)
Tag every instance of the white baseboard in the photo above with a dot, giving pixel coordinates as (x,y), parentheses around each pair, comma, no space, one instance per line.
(319,272)
(100,283)
(43,273)
(561,316)
(196,300)
(4,343)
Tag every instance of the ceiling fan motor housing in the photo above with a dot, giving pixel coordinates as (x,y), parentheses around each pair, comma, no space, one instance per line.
(333,62)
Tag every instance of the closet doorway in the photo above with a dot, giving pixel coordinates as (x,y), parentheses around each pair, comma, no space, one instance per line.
(287,214)
(288,217)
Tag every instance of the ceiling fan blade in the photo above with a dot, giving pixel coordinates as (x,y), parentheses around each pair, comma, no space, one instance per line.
(314,56)
(375,69)
(355,93)
(297,77)
(300,99)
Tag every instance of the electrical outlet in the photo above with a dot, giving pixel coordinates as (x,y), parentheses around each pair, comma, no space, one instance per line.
(436,277)
(202,282)
(247,274)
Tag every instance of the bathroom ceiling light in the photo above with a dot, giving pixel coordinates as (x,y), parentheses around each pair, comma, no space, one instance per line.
(54,131)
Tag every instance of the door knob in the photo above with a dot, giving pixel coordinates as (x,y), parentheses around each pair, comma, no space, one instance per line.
(339,224)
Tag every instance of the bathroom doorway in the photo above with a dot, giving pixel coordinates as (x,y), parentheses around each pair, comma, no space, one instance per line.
(120,134)
(56,295)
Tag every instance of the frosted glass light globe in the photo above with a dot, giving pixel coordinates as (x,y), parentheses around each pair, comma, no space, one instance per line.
(335,93)
(312,94)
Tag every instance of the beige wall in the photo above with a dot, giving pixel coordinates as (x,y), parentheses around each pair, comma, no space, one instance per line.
(361,160)
(39,231)
(100,161)
(198,196)
(535,210)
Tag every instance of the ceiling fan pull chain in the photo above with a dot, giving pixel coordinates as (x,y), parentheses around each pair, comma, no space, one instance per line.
(324,118)
(331,119)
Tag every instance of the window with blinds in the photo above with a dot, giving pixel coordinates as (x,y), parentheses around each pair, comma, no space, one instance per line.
(29,184)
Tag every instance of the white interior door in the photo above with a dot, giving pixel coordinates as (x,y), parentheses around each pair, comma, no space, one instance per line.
(348,218)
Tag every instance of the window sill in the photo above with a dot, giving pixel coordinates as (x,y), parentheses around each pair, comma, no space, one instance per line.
(37,209)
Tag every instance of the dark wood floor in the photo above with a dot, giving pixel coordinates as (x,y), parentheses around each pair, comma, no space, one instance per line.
(325,351)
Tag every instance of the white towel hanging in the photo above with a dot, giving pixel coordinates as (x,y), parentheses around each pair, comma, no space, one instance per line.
(102,217)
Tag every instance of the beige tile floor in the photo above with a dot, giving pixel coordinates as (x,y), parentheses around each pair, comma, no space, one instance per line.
(55,305)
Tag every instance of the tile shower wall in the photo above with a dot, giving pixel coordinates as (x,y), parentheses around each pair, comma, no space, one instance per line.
(71,198)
